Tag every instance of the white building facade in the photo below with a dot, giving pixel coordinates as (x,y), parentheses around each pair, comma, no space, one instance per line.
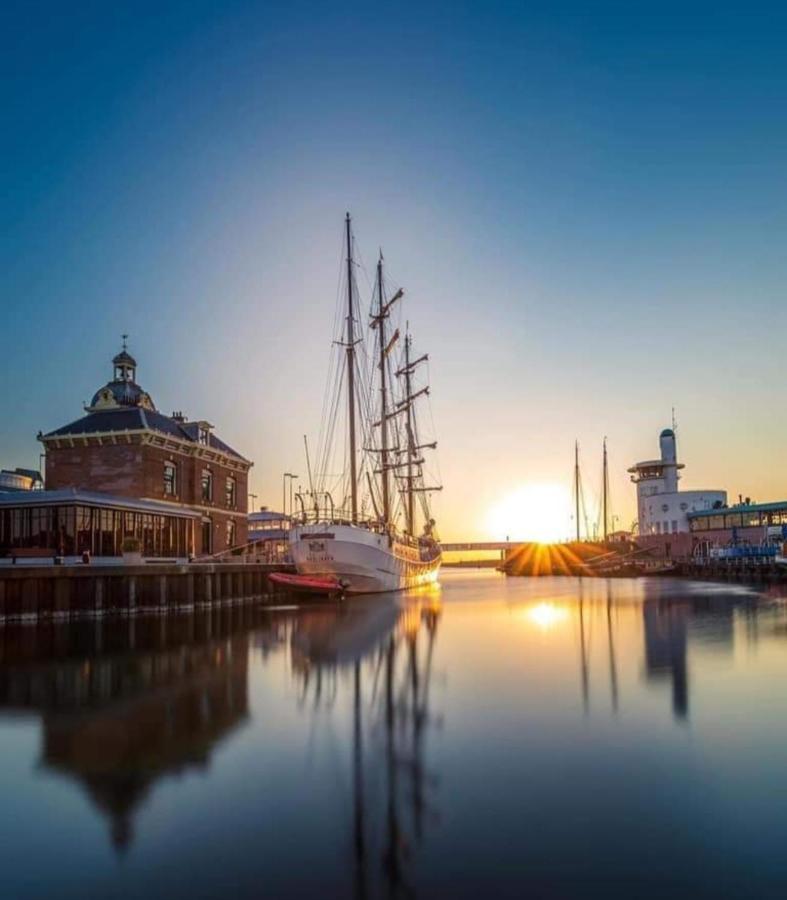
(661,507)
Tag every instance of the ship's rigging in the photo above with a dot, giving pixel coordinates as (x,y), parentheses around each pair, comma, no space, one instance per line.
(370,462)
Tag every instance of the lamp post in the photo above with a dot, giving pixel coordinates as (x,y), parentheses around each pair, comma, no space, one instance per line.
(253,498)
(284,492)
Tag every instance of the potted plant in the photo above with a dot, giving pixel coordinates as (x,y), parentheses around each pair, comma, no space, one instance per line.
(132,551)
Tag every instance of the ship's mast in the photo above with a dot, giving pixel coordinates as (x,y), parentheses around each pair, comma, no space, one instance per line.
(605,492)
(413,462)
(351,374)
(409,437)
(382,314)
(576,484)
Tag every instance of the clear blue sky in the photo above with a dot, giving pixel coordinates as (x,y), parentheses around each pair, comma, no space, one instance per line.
(587,205)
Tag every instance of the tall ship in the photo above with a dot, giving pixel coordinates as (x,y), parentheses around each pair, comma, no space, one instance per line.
(365,522)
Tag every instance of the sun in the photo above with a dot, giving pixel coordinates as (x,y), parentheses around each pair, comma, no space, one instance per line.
(533,512)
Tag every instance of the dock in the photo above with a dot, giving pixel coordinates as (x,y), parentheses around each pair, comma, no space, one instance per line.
(33,593)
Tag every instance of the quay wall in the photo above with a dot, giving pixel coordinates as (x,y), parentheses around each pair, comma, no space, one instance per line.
(36,593)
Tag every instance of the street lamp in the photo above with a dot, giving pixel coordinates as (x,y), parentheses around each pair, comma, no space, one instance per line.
(253,498)
(286,475)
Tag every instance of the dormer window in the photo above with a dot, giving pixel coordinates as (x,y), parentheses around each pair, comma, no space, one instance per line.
(203,436)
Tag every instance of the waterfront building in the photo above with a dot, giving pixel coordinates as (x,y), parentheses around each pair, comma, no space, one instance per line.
(69,523)
(20,480)
(662,508)
(269,535)
(124,447)
(676,525)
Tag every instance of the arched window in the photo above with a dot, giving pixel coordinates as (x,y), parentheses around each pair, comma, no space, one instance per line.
(170,479)
(230,492)
(207,485)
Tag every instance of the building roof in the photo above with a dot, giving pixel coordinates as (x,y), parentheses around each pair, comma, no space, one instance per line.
(122,393)
(73,496)
(138,419)
(775,506)
(267,515)
(124,358)
(122,405)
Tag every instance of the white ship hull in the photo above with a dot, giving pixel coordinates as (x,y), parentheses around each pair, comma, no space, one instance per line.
(365,561)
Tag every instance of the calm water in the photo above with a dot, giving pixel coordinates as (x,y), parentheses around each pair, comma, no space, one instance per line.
(498,737)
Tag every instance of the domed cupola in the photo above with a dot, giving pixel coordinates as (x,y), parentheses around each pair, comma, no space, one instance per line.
(123,391)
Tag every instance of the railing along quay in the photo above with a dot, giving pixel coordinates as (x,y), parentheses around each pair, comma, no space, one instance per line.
(33,593)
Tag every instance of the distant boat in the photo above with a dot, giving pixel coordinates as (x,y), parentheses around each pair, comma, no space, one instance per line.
(364,547)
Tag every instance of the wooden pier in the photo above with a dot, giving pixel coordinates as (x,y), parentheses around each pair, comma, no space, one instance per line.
(34,593)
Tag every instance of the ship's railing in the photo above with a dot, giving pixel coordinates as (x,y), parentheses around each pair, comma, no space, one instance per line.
(342,517)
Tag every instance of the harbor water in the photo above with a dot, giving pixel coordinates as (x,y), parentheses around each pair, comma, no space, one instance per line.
(492,736)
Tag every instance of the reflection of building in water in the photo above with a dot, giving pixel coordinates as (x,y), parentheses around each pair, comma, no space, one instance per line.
(672,620)
(390,653)
(124,706)
(665,649)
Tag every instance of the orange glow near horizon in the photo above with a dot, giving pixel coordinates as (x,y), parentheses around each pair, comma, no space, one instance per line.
(533,512)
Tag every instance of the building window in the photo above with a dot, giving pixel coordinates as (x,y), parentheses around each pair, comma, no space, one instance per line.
(207,537)
(674,526)
(230,533)
(203,435)
(229,492)
(170,479)
(207,485)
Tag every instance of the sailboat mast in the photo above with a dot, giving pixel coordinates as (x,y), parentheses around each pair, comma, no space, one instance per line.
(605,492)
(410,437)
(576,484)
(381,316)
(351,374)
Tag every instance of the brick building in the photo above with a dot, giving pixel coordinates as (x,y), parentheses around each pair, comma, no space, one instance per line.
(125,447)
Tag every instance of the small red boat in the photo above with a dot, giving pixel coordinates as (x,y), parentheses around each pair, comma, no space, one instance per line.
(307,584)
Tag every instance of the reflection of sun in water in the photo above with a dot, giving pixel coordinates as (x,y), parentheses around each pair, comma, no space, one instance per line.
(545,615)
(533,512)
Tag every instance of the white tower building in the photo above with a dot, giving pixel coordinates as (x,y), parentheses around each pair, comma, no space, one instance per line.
(661,507)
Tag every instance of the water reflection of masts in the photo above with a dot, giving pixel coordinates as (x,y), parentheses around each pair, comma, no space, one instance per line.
(613,671)
(403,705)
(583,651)
(358,800)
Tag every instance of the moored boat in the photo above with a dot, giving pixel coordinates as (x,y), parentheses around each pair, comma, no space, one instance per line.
(371,542)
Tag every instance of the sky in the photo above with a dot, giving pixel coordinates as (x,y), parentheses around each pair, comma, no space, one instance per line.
(586,204)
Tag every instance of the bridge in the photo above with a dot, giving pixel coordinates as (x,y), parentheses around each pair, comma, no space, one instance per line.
(481,545)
